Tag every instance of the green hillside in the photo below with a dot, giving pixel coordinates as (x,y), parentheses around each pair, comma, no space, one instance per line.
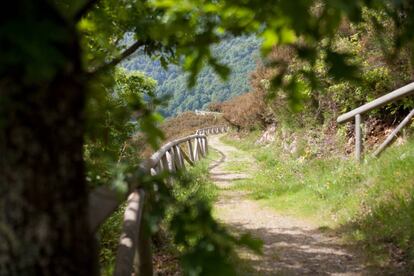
(240,54)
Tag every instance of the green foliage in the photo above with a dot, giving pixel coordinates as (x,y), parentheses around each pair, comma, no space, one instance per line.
(117,108)
(339,88)
(112,121)
(238,53)
(108,236)
(378,74)
(184,31)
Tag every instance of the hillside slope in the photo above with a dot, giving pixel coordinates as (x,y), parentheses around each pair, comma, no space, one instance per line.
(370,204)
(240,54)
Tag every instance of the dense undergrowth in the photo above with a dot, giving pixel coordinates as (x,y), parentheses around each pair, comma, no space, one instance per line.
(371,203)
(197,187)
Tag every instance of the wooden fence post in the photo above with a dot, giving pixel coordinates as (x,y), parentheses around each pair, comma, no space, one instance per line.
(205,145)
(144,250)
(133,241)
(190,151)
(195,151)
(200,148)
(170,158)
(203,150)
(160,166)
(178,157)
(164,162)
(358,138)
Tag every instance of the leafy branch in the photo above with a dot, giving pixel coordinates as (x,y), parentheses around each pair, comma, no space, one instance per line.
(126,53)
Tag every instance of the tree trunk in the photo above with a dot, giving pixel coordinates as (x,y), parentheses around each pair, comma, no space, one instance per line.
(43,208)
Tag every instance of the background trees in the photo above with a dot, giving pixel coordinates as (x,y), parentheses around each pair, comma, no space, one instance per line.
(238,53)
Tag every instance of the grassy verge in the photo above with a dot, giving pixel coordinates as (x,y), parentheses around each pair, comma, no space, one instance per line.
(373,202)
(108,236)
(200,185)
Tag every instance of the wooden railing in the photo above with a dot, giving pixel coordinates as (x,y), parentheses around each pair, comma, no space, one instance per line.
(407,90)
(134,250)
(212,130)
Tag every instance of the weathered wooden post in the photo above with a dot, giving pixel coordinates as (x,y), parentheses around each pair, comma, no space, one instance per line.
(144,247)
(171,160)
(160,166)
(200,147)
(153,171)
(180,154)
(358,137)
(178,157)
(203,148)
(206,144)
(164,162)
(195,152)
(190,150)
(200,142)
(135,245)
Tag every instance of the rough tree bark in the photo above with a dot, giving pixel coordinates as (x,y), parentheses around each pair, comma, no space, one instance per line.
(43,194)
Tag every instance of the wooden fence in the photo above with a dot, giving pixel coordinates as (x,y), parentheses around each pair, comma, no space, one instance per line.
(405,91)
(134,254)
(212,130)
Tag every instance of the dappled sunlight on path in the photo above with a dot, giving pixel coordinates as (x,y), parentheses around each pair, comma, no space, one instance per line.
(291,246)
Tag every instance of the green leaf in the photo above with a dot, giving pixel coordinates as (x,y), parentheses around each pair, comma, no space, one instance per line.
(270,39)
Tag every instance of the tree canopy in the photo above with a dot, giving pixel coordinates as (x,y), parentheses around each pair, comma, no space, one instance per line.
(184,31)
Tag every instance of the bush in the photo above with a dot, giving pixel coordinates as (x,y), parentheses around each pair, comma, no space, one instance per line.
(247,111)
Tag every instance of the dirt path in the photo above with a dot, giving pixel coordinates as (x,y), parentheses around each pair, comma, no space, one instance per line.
(291,246)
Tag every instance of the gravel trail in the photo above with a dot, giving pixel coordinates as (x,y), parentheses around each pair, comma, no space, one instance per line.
(291,246)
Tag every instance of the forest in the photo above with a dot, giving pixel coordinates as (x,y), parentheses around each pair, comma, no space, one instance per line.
(105,169)
(239,53)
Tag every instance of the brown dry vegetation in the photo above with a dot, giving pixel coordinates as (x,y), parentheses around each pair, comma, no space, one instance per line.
(247,111)
(187,123)
(182,125)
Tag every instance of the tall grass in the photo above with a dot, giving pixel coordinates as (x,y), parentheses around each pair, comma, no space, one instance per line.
(373,202)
